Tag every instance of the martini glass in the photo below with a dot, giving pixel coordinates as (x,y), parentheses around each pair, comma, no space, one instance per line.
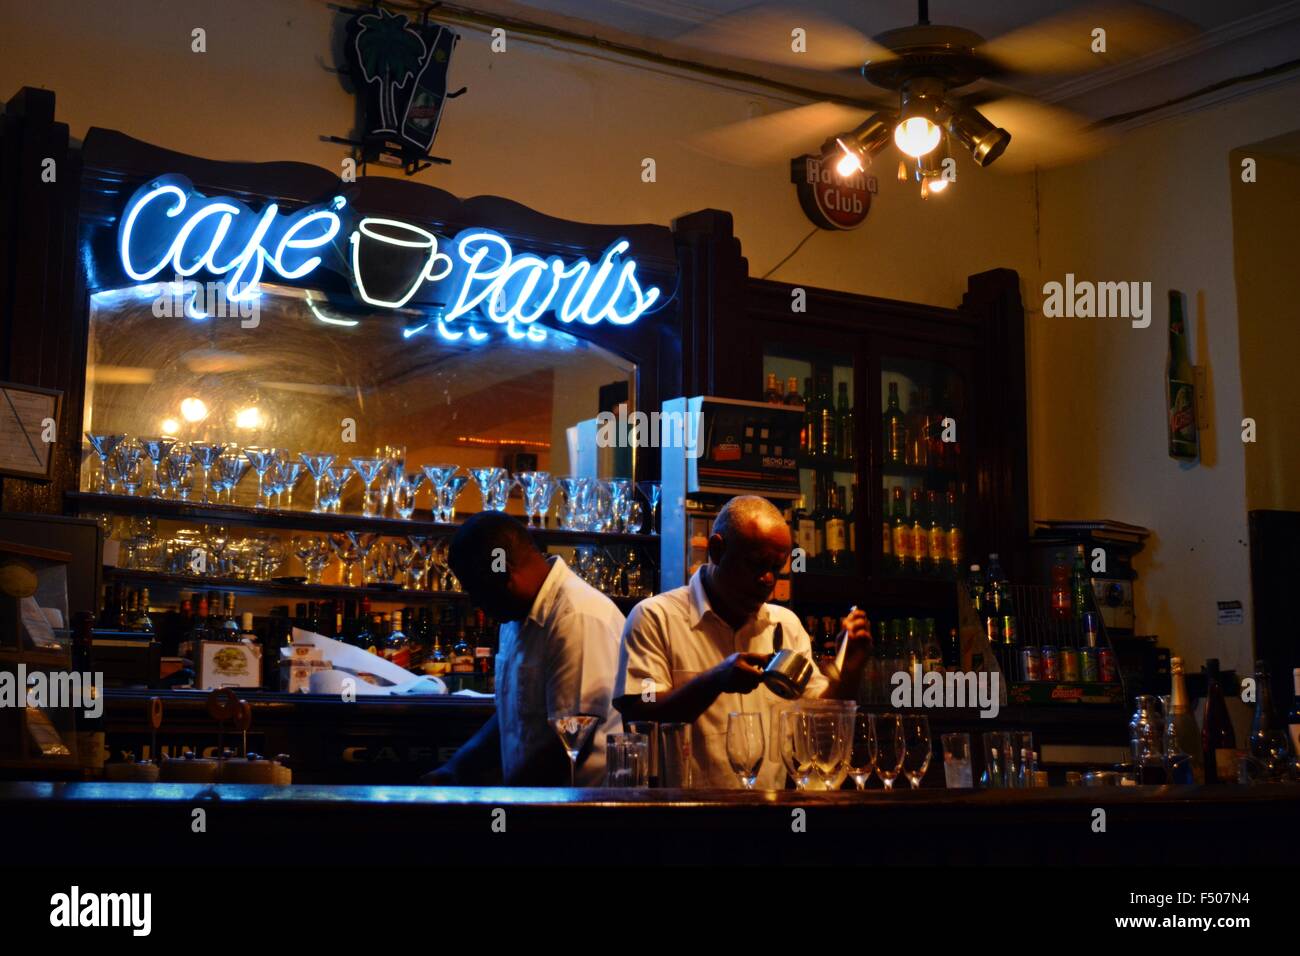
(207,453)
(574,730)
(447,497)
(126,466)
(104,444)
(275,481)
(368,471)
(620,490)
(182,470)
(544,495)
(318,463)
(363,541)
(290,472)
(651,490)
(438,476)
(337,477)
(500,494)
(571,488)
(532,482)
(232,467)
(405,489)
(347,551)
(487,479)
(157,449)
(261,459)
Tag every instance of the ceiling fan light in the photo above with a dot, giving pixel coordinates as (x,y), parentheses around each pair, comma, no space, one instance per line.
(917,136)
(985,141)
(852,151)
(848,163)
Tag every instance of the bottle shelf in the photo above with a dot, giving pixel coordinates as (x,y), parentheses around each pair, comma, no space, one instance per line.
(155,580)
(420,523)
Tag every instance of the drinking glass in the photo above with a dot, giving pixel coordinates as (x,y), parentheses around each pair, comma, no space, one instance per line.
(890,748)
(651,490)
(232,467)
(336,479)
(318,463)
(532,482)
(314,553)
(796,754)
(290,472)
(104,444)
(447,497)
(413,557)
(486,479)
(261,459)
(571,488)
(346,549)
(997,759)
(393,471)
(917,749)
(574,730)
(157,449)
(745,746)
(544,495)
(499,495)
(627,760)
(675,756)
(275,481)
(862,749)
(619,494)
(404,490)
(438,476)
(367,471)
(650,729)
(270,554)
(957,761)
(206,454)
(178,472)
(634,518)
(126,467)
(829,738)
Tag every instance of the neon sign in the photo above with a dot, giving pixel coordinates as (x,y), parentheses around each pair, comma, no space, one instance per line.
(168,225)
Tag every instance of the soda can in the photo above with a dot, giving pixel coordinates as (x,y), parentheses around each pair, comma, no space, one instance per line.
(1106,661)
(1069,664)
(1051,663)
(1031,663)
(1088,665)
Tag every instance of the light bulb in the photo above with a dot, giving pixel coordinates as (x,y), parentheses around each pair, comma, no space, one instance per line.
(916,136)
(169,426)
(248,418)
(938,184)
(848,165)
(193,410)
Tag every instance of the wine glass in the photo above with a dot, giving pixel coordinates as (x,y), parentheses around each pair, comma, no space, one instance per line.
(829,741)
(862,749)
(318,463)
(745,746)
(207,453)
(889,748)
(651,490)
(792,727)
(917,749)
(574,730)
(487,479)
(314,553)
(157,449)
(261,459)
(447,497)
(367,471)
(104,444)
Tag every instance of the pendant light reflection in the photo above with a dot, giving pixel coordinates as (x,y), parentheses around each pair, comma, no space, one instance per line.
(193,410)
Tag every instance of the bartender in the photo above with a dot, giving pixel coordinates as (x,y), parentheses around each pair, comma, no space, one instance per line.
(558,652)
(696,653)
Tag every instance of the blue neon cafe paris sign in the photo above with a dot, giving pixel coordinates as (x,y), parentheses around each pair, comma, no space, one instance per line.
(168,228)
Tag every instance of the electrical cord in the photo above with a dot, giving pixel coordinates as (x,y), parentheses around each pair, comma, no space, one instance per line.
(790,255)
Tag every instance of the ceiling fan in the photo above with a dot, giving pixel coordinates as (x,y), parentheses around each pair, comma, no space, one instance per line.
(940,86)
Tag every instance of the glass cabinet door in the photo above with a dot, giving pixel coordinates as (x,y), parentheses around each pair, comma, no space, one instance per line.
(923,486)
(822,384)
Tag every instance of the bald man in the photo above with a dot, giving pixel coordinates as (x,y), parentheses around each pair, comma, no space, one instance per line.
(696,654)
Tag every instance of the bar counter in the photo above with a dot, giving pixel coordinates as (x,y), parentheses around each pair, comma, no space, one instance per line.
(304,824)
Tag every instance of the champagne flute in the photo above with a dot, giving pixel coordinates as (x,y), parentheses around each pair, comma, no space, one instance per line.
(792,726)
(889,748)
(574,730)
(862,749)
(917,749)
(745,746)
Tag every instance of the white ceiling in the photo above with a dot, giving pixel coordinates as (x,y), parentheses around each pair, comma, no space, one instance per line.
(1228,38)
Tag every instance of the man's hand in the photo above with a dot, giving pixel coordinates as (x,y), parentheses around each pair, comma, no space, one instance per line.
(740,673)
(857,636)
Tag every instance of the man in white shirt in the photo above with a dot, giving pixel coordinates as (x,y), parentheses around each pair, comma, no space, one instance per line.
(696,654)
(559,652)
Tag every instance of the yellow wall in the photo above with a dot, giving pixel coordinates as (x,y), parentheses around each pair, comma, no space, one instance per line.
(1268,305)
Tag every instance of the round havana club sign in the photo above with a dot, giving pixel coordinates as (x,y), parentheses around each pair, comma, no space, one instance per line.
(827,200)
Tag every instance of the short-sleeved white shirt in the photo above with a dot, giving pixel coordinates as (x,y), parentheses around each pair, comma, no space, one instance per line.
(673,637)
(563,656)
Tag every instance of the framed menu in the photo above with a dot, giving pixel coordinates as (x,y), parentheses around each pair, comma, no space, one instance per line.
(27,417)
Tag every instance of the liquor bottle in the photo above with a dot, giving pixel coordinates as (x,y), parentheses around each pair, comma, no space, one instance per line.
(844,422)
(1183,752)
(1218,742)
(246,633)
(1264,722)
(895,430)
(903,557)
(808,434)
(132,611)
(396,648)
(852,520)
(975,587)
(956,545)
(142,620)
(837,539)
(362,636)
(462,654)
(995,587)
(828,443)
(953,651)
(937,534)
(1184,441)
(483,647)
(229,623)
(920,534)
(919,432)
(1293,718)
(792,396)
(933,652)
(888,561)
(1080,587)
(772,394)
(1060,594)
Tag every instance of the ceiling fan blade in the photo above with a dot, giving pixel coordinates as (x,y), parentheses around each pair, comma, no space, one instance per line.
(776,136)
(1041,135)
(1063,43)
(764,32)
